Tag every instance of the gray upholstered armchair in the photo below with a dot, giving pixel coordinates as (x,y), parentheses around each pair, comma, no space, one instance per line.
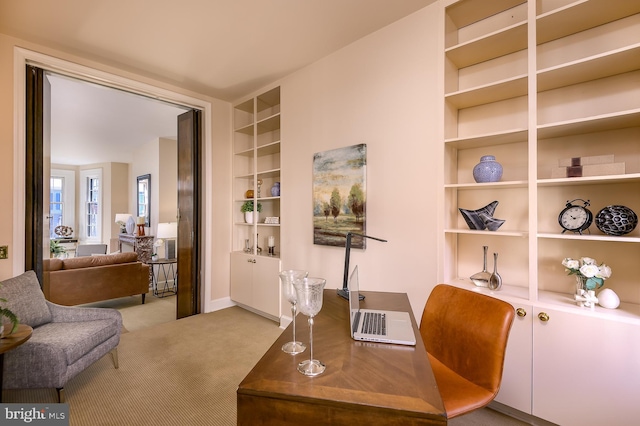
(65,340)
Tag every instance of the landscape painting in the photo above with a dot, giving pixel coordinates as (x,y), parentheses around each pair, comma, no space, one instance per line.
(339,195)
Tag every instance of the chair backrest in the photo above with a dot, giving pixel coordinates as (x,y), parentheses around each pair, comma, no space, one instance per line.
(89,249)
(25,299)
(467,332)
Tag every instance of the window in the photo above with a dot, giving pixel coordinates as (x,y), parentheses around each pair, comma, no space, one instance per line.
(91,215)
(93,206)
(56,204)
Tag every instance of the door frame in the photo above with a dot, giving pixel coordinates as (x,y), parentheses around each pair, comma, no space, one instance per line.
(24,57)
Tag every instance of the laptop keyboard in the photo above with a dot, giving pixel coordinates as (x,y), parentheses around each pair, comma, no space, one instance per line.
(374,323)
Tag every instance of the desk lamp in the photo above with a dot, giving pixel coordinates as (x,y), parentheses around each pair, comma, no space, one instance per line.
(344,291)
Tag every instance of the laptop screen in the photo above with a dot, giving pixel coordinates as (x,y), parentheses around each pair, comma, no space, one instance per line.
(354,298)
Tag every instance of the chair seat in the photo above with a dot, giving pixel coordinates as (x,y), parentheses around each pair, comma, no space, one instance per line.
(459,395)
(75,339)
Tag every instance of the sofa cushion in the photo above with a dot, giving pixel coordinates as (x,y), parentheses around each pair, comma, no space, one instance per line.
(52,264)
(75,339)
(89,261)
(25,299)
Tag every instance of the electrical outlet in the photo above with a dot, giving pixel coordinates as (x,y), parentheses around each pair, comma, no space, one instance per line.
(4,252)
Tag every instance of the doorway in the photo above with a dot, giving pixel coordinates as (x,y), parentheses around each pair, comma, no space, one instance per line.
(136,88)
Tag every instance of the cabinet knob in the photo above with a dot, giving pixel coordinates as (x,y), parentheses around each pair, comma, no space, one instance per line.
(251,260)
(521,312)
(544,317)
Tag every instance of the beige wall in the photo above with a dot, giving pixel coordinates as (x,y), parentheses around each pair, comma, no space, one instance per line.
(167,189)
(6,146)
(119,195)
(381,91)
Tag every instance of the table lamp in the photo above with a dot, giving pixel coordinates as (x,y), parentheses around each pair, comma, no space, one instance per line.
(344,291)
(168,232)
(121,219)
(140,221)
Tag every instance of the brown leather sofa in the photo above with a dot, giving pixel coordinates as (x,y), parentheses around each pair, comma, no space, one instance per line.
(94,278)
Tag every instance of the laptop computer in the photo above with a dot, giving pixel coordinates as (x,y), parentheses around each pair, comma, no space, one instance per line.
(373,325)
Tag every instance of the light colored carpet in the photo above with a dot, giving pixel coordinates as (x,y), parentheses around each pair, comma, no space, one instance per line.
(183,372)
(136,316)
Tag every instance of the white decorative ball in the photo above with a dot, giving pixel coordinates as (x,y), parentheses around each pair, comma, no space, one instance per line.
(608,298)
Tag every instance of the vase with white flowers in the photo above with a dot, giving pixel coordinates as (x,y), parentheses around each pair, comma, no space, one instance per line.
(590,276)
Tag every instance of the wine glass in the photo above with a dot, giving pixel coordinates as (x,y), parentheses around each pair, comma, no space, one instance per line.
(309,292)
(288,278)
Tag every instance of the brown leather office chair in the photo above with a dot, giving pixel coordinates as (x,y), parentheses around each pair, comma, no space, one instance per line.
(465,334)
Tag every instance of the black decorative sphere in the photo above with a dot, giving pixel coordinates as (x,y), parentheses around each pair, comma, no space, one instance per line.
(616,220)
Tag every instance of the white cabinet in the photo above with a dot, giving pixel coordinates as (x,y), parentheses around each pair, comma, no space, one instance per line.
(586,370)
(256,169)
(532,83)
(515,390)
(572,369)
(253,285)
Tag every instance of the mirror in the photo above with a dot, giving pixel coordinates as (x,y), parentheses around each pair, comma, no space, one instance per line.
(144,198)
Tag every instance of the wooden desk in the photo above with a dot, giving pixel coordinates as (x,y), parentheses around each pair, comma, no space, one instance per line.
(12,341)
(364,383)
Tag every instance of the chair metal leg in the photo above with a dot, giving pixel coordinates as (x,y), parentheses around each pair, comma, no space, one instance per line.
(60,395)
(114,357)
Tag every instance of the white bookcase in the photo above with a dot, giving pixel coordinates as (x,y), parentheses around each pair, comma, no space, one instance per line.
(256,158)
(532,83)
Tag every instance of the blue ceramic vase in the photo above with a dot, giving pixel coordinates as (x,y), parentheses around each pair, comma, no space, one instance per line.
(275,189)
(487,170)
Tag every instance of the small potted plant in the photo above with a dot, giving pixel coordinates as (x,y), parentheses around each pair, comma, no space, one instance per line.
(56,249)
(247,209)
(8,314)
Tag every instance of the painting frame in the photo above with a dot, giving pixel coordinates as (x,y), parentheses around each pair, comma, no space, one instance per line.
(340,196)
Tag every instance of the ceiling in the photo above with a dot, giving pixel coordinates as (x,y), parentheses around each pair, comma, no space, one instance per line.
(95,124)
(222,48)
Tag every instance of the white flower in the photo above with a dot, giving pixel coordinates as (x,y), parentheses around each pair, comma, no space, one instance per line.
(604,272)
(589,270)
(588,261)
(570,263)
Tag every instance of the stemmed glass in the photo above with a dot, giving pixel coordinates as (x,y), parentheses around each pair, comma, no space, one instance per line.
(309,292)
(288,279)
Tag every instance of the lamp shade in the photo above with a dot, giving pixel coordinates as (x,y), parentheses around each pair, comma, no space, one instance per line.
(122,217)
(140,220)
(167,230)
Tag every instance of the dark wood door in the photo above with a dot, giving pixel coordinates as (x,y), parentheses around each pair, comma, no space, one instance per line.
(34,184)
(189,146)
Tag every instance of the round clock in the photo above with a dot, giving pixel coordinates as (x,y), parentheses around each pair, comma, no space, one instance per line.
(575,218)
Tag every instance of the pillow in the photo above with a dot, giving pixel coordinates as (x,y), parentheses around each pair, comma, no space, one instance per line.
(25,299)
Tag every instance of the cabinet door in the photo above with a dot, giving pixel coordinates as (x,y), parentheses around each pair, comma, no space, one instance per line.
(241,278)
(586,370)
(515,390)
(266,285)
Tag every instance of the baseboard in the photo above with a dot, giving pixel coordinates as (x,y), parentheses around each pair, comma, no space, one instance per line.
(519,415)
(218,304)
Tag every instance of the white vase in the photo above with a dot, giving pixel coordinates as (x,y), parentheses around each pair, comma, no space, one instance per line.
(249,217)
